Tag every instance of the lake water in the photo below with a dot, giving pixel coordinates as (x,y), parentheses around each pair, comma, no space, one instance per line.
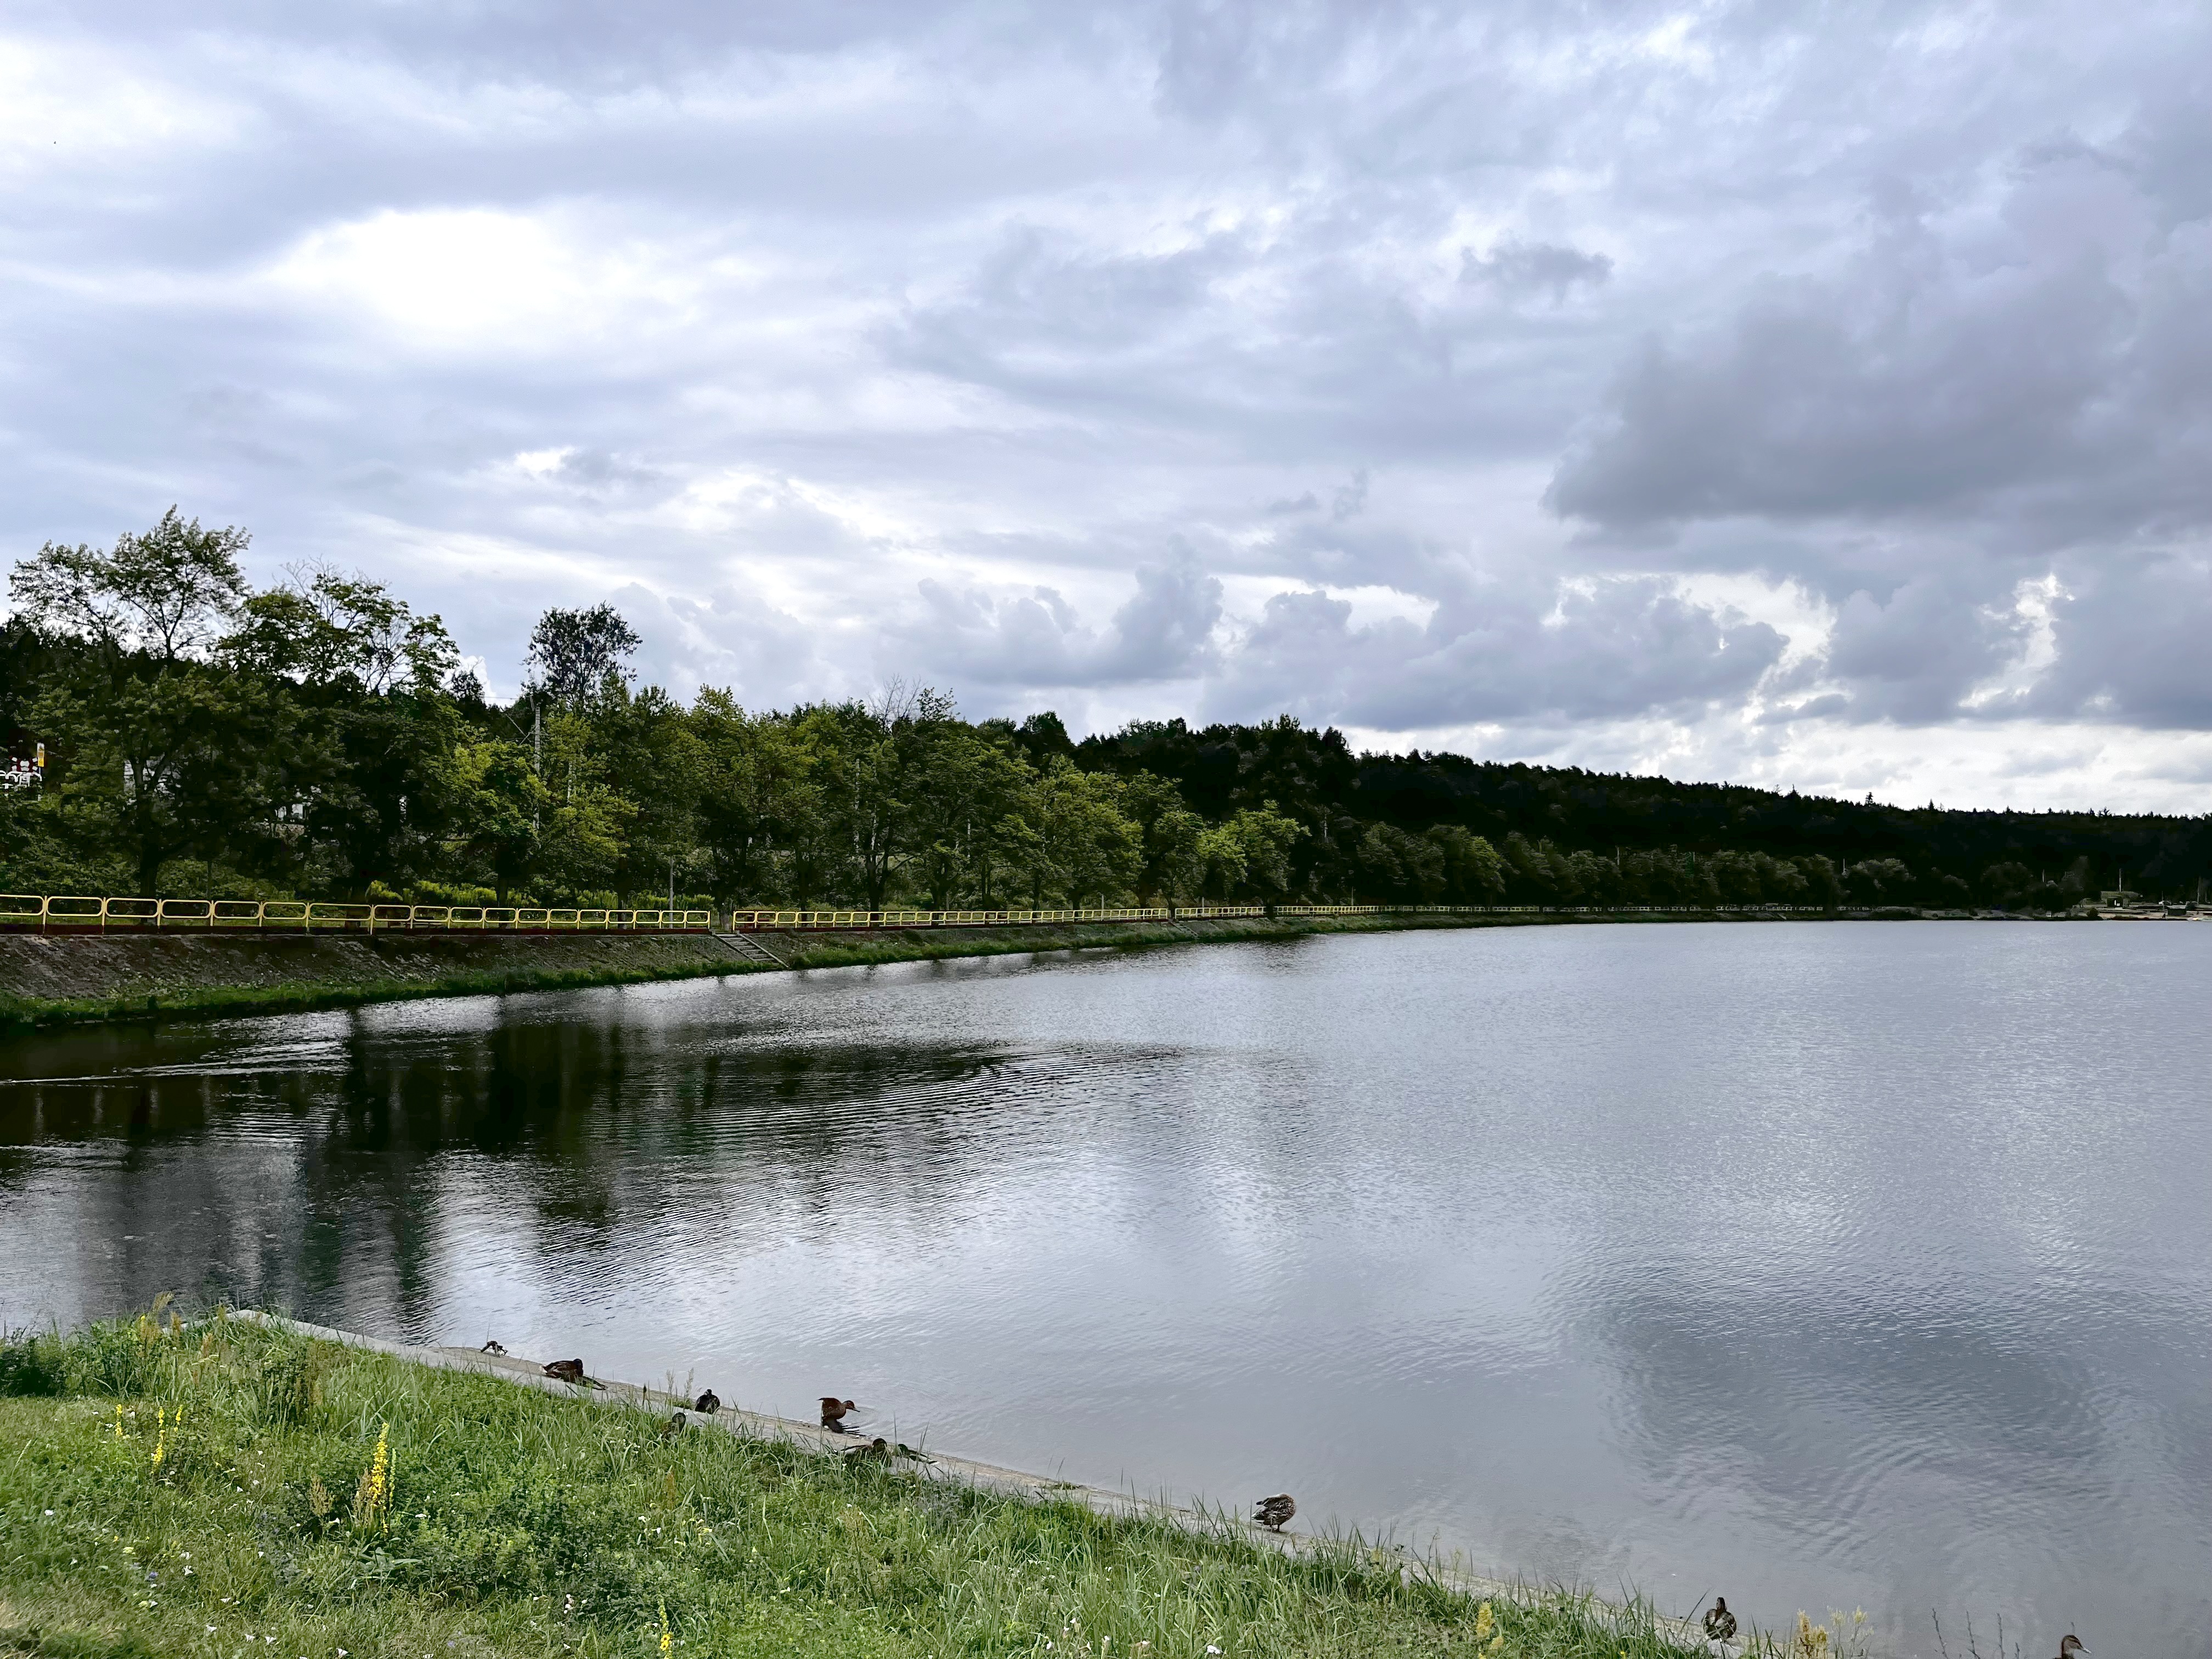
(1821,1266)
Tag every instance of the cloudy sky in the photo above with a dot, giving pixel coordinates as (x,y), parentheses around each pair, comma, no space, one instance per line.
(1814,396)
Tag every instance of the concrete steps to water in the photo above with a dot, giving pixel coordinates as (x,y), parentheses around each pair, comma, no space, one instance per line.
(747,947)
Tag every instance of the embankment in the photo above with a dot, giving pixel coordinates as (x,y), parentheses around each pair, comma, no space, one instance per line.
(70,979)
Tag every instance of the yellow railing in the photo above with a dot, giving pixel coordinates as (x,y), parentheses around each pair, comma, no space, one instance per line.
(750,921)
(77,912)
(754,920)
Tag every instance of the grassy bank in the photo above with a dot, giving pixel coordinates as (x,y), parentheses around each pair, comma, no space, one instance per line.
(353,974)
(217,1488)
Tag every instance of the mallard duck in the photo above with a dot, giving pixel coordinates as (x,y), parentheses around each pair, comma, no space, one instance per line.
(833,1413)
(2069,1645)
(674,1426)
(493,1346)
(1273,1513)
(707,1402)
(565,1370)
(1720,1623)
(878,1450)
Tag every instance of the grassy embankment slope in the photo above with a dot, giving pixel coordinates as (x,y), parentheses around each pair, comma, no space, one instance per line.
(218,1488)
(77,979)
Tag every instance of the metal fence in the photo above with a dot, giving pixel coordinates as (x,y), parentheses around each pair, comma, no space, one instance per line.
(787,920)
(84,913)
(81,912)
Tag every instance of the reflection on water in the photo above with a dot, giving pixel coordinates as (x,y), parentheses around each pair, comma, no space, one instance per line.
(1819,1265)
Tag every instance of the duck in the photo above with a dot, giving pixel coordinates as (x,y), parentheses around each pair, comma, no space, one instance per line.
(494,1347)
(878,1450)
(833,1413)
(675,1426)
(1720,1623)
(708,1402)
(565,1370)
(1273,1513)
(2069,1645)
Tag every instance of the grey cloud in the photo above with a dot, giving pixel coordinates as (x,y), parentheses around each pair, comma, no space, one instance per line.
(1036,640)
(2132,641)
(1620,648)
(1915,654)
(1533,267)
(2044,365)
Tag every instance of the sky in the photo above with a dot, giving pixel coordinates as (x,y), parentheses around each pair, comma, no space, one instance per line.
(1818,396)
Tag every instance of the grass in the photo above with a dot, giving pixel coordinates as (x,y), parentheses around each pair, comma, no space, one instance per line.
(217,1488)
(216,1001)
(220,1001)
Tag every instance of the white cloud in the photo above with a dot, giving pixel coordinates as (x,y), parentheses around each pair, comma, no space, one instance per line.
(1183,358)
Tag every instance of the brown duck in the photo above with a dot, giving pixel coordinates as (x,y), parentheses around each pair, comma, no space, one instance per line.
(708,1402)
(565,1370)
(1720,1623)
(878,1450)
(833,1413)
(2069,1645)
(676,1425)
(1274,1513)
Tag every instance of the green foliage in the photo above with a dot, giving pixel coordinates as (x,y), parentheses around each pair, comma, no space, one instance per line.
(393,1509)
(316,740)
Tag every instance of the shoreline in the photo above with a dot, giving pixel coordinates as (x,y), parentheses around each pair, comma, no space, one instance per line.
(183,1478)
(51,982)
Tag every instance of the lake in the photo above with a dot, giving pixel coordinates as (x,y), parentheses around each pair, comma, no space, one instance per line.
(1818,1265)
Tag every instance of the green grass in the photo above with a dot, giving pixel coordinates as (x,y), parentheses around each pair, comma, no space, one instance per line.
(210,1488)
(215,1001)
(219,1001)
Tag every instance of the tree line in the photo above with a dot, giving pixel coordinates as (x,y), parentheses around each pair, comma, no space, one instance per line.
(320,738)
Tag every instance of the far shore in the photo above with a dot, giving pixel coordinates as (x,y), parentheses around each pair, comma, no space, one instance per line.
(49,981)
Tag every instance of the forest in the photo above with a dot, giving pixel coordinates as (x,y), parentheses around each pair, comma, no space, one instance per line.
(319,739)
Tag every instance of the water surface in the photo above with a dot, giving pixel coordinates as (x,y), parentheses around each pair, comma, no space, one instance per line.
(1819,1265)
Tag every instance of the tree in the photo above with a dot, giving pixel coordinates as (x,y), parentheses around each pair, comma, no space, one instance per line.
(572,653)
(165,595)
(756,796)
(502,809)
(365,764)
(1172,865)
(1069,837)
(163,752)
(1249,856)
(649,755)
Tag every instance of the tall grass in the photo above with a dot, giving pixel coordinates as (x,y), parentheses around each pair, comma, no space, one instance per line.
(212,1487)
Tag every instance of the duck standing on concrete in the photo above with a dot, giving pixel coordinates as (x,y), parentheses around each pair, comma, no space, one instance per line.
(493,1347)
(833,1413)
(707,1402)
(1720,1623)
(2069,1645)
(1274,1513)
(565,1370)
